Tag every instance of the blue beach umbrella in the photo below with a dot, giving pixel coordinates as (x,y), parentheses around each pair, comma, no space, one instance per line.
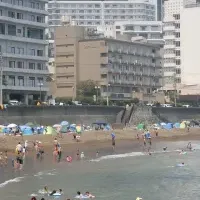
(64,123)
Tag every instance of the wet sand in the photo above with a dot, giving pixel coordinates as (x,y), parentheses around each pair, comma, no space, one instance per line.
(92,141)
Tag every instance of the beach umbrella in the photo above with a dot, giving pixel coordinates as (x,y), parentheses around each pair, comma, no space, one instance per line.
(64,123)
(56,126)
(78,129)
(11,126)
(64,129)
(50,131)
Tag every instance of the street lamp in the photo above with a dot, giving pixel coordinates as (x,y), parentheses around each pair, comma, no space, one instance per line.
(40,85)
(107,98)
(97,88)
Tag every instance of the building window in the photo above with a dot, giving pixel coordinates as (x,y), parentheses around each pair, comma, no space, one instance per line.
(32,18)
(19,2)
(0,12)
(37,5)
(32,4)
(21,80)
(11,80)
(39,19)
(178,53)
(12,30)
(2,28)
(39,52)
(20,64)
(19,31)
(32,52)
(178,44)
(11,14)
(11,64)
(13,50)
(31,65)
(178,62)
(40,79)
(32,81)
(40,66)
(19,16)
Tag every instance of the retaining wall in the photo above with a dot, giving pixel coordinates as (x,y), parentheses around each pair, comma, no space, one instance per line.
(49,115)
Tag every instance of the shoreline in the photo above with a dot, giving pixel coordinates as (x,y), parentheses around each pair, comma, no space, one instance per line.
(92,140)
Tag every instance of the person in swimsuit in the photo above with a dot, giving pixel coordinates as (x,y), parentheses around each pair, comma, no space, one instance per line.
(78,154)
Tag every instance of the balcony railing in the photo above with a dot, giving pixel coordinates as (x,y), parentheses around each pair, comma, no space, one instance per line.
(25,87)
(27,57)
(26,9)
(28,71)
(23,39)
(22,21)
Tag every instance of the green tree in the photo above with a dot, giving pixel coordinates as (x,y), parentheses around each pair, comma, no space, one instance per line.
(86,88)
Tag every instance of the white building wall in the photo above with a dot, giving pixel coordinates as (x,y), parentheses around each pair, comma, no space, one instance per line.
(190,43)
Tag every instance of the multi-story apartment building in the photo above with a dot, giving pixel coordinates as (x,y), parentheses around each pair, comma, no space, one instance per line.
(190,42)
(171,30)
(98,13)
(151,30)
(95,13)
(119,67)
(24,49)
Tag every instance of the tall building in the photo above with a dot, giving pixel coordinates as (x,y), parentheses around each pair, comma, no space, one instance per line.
(171,30)
(95,13)
(24,49)
(119,67)
(152,31)
(190,42)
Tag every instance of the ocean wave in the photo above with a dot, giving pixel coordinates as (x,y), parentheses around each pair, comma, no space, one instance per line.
(15,180)
(108,157)
(45,173)
(132,154)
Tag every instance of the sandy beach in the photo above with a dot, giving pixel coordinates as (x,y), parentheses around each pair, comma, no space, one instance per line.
(93,140)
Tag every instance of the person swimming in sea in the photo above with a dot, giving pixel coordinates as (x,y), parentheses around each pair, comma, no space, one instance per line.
(164,148)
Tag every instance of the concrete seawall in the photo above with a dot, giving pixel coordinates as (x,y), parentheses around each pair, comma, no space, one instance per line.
(176,114)
(55,114)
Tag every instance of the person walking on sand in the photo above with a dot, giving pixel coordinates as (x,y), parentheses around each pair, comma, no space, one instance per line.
(113,140)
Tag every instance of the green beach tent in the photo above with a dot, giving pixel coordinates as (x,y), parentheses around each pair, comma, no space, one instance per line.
(50,131)
(140,126)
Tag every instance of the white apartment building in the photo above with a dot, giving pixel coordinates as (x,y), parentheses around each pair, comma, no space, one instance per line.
(24,49)
(190,42)
(171,30)
(152,31)
(95,13)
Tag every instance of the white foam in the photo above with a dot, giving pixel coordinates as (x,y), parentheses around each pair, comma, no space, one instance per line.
(15,180)
(108,157)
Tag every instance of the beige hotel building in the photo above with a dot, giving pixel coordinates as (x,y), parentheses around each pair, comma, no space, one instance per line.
(120,68)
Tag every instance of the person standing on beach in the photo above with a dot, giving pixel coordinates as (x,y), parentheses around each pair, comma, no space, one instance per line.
(113,140)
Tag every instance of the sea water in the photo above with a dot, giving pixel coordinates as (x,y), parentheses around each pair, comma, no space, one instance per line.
(112,177)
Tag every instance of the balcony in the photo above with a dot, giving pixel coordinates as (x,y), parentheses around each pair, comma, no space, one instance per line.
(171,55)
(23,8)
(26,57)
(104,70)
(169,46)
(169,37)
(169,65)
(26,71)
(24,22)
(104,60)
(23,39)
(168,28)
(27,88)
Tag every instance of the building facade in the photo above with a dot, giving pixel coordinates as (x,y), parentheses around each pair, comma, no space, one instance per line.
(152,31)
(171,30)
(119,68)
(24,49)
(190,41)
(95,13)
